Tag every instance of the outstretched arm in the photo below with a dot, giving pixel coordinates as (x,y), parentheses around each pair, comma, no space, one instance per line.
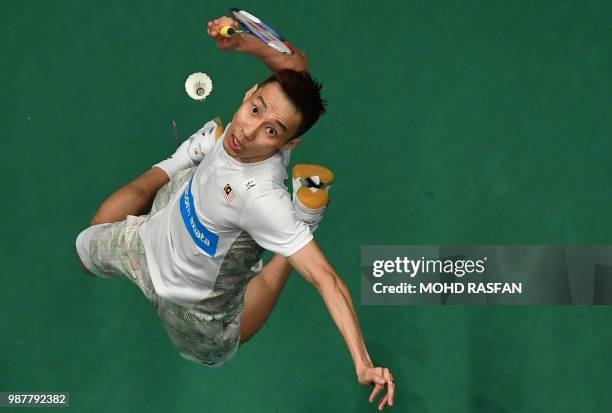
(245,42)
(314,267)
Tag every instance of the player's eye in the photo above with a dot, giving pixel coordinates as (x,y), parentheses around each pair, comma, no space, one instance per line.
(254,109)
(271,131)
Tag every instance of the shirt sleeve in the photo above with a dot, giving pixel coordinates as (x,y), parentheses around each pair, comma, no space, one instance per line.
(271,221)
(204,138)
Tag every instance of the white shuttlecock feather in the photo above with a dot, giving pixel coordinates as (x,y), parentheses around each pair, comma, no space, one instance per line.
(198,86)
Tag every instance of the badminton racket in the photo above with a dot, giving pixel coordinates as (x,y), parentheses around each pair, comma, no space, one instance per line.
(255,26)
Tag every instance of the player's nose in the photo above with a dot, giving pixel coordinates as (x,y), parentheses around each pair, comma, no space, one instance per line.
(249,131)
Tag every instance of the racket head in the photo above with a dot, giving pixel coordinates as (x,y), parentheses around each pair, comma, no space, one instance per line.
(261,30)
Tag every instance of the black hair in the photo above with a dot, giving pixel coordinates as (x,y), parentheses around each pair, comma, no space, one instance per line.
(304,92)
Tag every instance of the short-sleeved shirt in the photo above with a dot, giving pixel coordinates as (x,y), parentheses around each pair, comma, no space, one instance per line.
(187,241)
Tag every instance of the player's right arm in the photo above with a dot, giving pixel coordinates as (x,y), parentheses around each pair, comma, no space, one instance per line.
(268,217)
(314,267)
(245,42)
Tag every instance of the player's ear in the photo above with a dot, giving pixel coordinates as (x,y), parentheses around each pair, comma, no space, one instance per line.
(292,143)
(250,92)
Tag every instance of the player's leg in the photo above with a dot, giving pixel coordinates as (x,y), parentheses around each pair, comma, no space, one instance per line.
(119,206)
(310,185)
(103,249)
(261,295)
(146,194)
(133,199)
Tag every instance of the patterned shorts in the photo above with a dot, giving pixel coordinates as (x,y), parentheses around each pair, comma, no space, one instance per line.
(199,332)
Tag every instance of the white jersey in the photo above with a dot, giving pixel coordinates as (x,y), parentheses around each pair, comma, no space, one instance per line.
(203,227)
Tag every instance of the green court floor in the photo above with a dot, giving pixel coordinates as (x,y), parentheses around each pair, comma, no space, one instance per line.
(449,122)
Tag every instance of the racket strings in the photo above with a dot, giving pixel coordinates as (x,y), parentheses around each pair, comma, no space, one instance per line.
(261,30)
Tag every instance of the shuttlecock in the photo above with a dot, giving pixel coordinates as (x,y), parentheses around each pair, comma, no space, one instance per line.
(198,86)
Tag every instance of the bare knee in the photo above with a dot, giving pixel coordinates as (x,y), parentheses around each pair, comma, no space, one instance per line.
(247,329)
(100,219)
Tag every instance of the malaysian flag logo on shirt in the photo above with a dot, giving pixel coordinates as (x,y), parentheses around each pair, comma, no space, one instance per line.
(228,194)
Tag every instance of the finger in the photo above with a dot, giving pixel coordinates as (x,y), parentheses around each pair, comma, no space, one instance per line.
(212,29)
(227,21)
(377,388)
(216,25)
(382,403)
(224,43)
(375,376)
(390,386)
(391,392)
(379,379)
(375,392)
(219,23)
(227,42)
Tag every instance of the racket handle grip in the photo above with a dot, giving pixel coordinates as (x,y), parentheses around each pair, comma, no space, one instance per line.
(227,31)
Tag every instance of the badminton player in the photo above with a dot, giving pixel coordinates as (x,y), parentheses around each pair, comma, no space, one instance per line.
(190,232)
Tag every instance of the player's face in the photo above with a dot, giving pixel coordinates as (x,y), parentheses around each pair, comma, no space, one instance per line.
(262,125)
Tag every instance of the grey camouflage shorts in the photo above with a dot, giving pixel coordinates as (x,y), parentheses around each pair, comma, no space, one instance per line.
(207,333)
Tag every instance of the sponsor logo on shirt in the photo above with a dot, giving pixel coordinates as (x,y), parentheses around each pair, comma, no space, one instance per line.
(228,194)
(250,183)
(204,238)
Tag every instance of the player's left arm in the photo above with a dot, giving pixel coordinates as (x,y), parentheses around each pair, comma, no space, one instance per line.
(314,267)
(247,43)
(137,197)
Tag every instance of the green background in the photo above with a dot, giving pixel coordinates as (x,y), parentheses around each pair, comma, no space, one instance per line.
(455,122)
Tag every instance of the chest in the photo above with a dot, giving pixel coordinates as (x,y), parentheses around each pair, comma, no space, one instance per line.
(220,194)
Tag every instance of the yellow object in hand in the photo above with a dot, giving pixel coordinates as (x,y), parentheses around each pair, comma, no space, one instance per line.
(227,31)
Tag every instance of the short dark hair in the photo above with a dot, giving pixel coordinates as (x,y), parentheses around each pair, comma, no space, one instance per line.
(304,92)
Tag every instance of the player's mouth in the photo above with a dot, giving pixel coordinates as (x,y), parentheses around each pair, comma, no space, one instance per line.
(233,143)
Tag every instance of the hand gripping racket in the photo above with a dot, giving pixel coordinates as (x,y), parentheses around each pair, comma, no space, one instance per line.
(257,28)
